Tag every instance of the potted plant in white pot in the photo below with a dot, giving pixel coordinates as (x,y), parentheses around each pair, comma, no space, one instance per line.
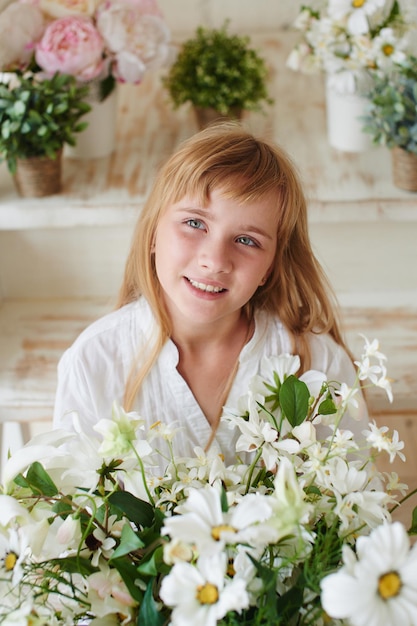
(391,120)
(347,42)
(220,74)
(38,115)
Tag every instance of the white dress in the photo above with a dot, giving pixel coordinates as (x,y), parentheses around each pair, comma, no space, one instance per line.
(93,371)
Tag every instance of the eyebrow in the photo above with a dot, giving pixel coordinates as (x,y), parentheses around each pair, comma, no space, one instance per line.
(202,212)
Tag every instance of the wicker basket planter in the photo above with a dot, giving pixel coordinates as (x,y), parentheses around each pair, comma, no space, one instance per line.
(404,169)
(207,116)
(38,176)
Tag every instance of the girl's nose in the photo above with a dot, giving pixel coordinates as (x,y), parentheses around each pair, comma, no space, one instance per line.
(215,256)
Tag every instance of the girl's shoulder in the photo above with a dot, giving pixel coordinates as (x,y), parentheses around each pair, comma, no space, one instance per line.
(274,335)
(118,328)
(273,338)
(270,336)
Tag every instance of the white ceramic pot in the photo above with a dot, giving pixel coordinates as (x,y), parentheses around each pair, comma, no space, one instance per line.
(344,126)
(99,138)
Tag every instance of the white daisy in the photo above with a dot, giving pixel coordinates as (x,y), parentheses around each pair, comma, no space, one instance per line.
(202,594)
(359,15)
(202,522)
(14,551)
(378,585)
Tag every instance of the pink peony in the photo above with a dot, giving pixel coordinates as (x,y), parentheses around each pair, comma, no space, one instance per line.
(71,45)
(137,41)
(21,26)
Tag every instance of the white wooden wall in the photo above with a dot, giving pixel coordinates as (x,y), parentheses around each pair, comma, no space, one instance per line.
(245,15)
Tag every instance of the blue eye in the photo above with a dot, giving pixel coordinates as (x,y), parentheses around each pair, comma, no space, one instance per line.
(246,241)
(195,223)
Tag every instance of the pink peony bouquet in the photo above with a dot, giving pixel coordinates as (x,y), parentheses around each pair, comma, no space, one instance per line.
(118,40)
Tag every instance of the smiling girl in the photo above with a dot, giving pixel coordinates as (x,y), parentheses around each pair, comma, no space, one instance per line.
(219,275)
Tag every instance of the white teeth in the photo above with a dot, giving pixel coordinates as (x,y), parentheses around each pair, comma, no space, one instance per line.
(204,287)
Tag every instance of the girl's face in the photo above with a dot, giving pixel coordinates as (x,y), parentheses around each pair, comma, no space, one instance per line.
(210,260)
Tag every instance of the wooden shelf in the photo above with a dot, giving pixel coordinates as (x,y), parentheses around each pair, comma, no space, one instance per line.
(341,187)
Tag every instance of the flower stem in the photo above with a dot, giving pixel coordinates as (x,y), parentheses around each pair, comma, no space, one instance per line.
(252,469)
(412,493)
(142,471)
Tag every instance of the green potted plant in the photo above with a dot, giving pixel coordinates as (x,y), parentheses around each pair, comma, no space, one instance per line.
(220,74)
(37,116)
(391,119)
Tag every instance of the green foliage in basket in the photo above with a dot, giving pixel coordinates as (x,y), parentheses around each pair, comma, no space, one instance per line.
(391,116)
(37,116)
(215,69)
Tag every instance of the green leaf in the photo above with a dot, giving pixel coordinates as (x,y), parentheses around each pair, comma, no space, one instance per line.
(294,399)
(19,108)
(223,500)
(74,565)
(128,572)
(148,612)
(63,507)
(154,565)
(289,604)
(129,542)
(5,130)
(312,489)
(138,511)
(327,407)
(39,481)
(106,87)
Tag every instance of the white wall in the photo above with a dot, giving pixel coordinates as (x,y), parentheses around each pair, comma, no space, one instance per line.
(63,263)
(183,16)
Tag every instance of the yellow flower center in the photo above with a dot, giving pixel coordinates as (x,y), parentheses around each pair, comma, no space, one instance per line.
(388,49)
(207,594)
(10,561)
(357,4)
(389,585)
(231,568)
(216,531)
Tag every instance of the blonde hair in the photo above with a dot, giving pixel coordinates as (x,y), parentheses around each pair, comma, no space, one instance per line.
(247,169)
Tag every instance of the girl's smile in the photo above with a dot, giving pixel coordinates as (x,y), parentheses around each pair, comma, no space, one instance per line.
(211,289)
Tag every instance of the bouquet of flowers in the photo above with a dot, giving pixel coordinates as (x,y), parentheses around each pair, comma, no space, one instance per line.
(347,39)
(297,531)
(94,40)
